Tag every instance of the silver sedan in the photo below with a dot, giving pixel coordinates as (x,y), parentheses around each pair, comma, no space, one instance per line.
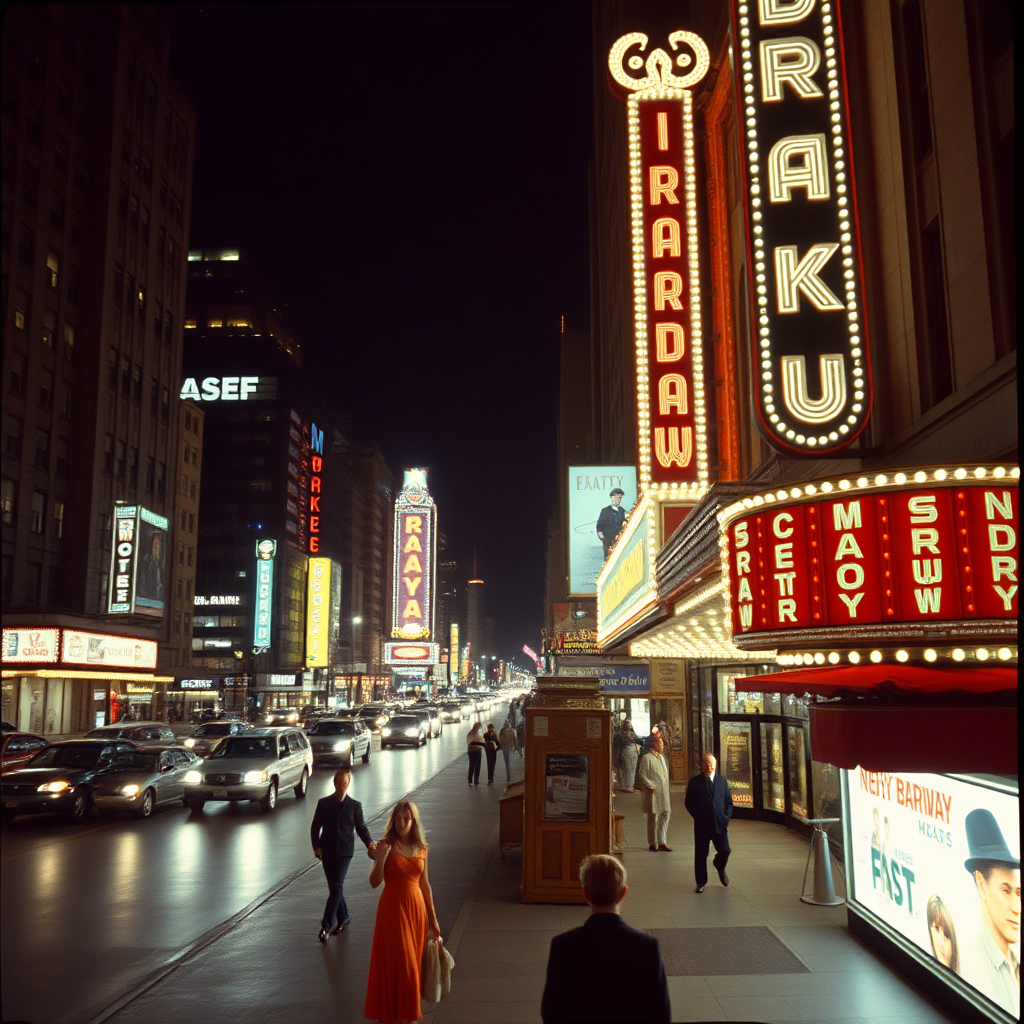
(138,781)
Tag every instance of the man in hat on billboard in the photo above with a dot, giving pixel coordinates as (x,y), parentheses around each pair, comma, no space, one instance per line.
(989,962)
(610,521)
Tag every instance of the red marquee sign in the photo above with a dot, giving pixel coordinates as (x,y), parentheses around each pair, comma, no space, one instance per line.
(850,559)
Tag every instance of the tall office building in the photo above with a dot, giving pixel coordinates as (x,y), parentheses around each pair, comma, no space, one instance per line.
(97,175)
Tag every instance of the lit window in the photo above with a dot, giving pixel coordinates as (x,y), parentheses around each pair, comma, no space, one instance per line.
(53,265)
(58,519)
(38,511)
(214,323)
(190,325)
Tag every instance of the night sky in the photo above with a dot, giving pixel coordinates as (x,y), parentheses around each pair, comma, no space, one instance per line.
(412,180)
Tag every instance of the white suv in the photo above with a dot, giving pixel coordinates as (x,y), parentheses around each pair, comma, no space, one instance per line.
(255,765)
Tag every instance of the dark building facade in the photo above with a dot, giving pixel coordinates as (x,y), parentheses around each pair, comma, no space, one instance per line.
(98,142)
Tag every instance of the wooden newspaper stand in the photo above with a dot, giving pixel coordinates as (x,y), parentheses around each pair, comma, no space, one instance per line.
(568,800)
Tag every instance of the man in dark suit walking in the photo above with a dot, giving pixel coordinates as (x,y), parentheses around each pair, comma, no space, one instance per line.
(709,801)
(583,961)
(336,818)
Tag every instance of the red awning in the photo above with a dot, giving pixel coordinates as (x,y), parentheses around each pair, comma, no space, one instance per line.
(915,739)
(864,680)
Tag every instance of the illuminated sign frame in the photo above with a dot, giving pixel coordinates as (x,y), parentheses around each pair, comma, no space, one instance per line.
(107,650)
(812,371)
(263,607)
(28,644)
(901,557)
(414,570)
(666,278)
(318,592)
(627,585)
(406,652)
(133,527)
(589,490)
(454,652)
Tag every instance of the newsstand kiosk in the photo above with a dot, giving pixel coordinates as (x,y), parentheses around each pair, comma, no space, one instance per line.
(568,799)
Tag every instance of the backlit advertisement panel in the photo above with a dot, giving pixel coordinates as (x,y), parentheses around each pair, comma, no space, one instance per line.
(104,650)
(596,515)
(26,645)
(453,652)
(318,591)
(138,562)
(937,859)
(264,606)
(414,559)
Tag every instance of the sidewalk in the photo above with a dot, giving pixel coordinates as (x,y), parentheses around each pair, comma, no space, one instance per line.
(752,952)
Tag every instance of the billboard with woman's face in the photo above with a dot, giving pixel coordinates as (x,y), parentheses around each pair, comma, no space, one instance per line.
(139,562)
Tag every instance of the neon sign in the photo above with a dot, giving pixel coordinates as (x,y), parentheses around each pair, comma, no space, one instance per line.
(670,387)
(316,465)
(264,606)
(810,346)
(414,574)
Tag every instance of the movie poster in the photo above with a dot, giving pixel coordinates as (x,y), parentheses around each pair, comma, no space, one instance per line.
(937,857)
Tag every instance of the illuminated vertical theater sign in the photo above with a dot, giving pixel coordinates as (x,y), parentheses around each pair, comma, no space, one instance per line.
(670,389)
(414,566)
(318,612)
(813,379)
(263,607)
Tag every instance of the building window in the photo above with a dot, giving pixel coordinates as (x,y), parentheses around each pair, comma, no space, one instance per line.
(30,184)
(187,446)
(118,284)
(53,266)
(26,246)
(183,519)
(18,372)
(49,327)
(165,405)
(108,453)
(112,370)
(181,554)
(161,478)
(189,558)
(154,397)
(119,450)
(133,467)
(57,212)
(126,376)
(12,445)
(61,461)
(58,519)
(150,474)
(38,511)
(21,307)
(137,385)
(42,449)
(8,500)
(45,388)
(69,342)
(65,401)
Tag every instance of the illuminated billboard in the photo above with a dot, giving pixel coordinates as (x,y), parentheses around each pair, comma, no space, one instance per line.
(414,559)
(318,619)
(667,316)
(596,515)
(918,849)
(137,584)
(263,607)
(454,652)
(810,345)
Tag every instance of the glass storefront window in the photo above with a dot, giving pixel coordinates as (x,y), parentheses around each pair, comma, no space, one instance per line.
(797,770)
(795,707)
(827,801)
(772,704)
(736,761)
(773,780)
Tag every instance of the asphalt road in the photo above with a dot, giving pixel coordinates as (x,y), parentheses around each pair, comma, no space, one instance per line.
(89,910)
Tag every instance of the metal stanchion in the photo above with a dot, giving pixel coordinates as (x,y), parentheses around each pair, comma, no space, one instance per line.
(824,889)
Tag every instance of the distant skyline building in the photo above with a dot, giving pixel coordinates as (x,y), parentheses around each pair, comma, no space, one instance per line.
(98,142)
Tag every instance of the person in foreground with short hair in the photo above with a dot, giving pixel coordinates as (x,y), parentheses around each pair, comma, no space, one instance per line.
(584,962)
(335,820)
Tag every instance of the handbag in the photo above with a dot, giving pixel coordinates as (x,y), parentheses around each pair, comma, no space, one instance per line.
(436,976)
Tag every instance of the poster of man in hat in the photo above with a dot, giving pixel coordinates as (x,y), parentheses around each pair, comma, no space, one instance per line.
(599,499)
(989,961)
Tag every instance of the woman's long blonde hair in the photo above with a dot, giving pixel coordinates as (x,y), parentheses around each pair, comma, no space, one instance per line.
(416,839)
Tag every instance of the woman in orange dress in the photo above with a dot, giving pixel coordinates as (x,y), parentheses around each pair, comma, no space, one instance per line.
(405,911)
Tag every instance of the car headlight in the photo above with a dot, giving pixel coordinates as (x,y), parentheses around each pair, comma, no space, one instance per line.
(53,787)
(293,718)
(412,731)
(255,777)
(385,732)
(381,720)
(193,778)
(190,742)
(129,790)
(342,744)
(270,718)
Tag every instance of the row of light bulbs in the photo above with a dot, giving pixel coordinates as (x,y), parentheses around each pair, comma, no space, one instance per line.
(901,656)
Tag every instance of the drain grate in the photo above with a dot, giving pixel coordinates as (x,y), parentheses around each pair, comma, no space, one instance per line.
(706,952)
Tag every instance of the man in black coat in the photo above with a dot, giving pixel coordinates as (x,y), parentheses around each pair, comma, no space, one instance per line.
(609,522)
(709,801)
(583,962)
(336,818)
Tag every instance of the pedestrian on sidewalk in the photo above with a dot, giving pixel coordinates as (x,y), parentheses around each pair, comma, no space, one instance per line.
(491,752)
(629,745)
(507,742)
(336,819)
(521,734)
(657,797)
(475,749)
(582,961)
(709,802)
(405,916)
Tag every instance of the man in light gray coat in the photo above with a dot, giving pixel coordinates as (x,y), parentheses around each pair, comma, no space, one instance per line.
(657,801)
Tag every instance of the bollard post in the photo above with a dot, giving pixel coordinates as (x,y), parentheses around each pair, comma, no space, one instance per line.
(824,892)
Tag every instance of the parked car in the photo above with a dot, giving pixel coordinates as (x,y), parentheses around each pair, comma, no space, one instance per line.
(374,716)
(256,765)
(139,780)
(451,711)
(17,747)
(339,741)
(405,728)
(282,716)
(205,737)
(143,733)
(60,778)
